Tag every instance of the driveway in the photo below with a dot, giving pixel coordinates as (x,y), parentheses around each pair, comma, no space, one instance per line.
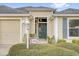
(4,49)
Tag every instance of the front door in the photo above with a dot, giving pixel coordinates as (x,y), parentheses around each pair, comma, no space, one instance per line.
(42,30)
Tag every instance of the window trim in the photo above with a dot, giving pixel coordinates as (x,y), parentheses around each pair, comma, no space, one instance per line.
(68,27)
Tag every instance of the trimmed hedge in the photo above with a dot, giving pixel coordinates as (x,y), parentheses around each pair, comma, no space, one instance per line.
(61,41)
(40,50)
(75,41)
(70,46)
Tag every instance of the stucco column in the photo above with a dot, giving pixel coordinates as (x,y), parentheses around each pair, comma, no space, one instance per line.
(56,29)
(33,26)
(21,32)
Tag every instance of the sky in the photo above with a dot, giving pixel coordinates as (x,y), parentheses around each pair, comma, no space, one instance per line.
(58,6)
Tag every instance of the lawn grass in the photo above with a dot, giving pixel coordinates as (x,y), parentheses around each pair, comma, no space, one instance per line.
(40,50)
(70,46)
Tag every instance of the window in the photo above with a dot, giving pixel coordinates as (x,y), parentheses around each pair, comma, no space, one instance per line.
(74,32)
(74,27)
(42,20)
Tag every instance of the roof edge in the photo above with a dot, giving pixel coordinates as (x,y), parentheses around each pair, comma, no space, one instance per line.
(65,14)
(14,14)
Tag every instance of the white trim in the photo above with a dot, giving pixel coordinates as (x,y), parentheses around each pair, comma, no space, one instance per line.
(70,37)
(42,22)
(65,14)
(27,40)
(67,28)
(56,28)
(37,34)
(27,32)
(37,31)
(21,31)
(36,26)
(14,14)
(72,18)
(10,18)
(33,25)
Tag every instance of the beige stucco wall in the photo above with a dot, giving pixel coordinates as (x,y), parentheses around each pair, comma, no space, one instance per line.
(47,14)
(60,29)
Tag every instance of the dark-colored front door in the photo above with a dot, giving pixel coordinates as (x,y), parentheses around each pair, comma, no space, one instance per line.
(42,30)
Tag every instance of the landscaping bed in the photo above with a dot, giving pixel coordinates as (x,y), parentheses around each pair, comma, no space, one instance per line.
(41,50)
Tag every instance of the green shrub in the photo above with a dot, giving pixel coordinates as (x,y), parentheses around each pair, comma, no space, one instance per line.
(32,35)
(24,38)
(61,41)
(51,40)
(75,41)
(40,50)
(69,46)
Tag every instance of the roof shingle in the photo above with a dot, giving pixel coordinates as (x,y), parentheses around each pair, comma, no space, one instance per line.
(9,10)
(41,8)
(68,11)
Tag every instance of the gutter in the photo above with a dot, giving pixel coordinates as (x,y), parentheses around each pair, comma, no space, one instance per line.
(65,14)
(14,14)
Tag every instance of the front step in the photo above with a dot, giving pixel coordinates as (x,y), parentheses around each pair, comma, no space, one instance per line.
(38,41)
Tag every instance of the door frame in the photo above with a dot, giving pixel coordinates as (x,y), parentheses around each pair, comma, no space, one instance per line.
(37,34)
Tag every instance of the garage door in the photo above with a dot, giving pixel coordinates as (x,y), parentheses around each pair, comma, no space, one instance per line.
(9,31)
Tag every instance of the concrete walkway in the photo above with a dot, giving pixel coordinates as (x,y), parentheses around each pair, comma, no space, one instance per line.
(4,49)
